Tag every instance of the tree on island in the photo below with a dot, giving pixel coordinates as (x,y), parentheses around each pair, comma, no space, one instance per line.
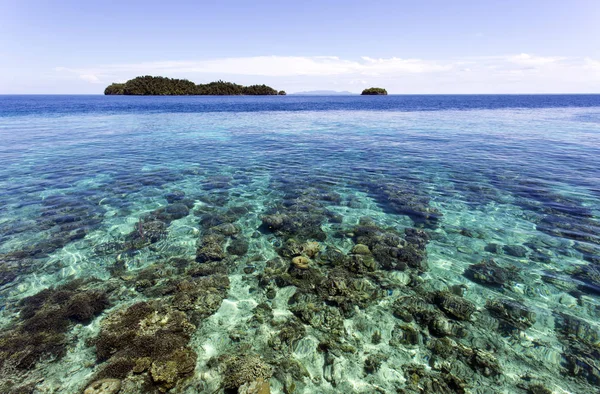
(115,88)
(161,86)
(374,92)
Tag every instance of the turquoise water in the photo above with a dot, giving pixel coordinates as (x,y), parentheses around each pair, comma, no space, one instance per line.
(301,244)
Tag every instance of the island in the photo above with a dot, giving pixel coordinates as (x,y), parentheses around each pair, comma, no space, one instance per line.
(374,92)
(162,86)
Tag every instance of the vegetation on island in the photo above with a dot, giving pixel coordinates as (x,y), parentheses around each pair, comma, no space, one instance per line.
(162,86)
(374,92)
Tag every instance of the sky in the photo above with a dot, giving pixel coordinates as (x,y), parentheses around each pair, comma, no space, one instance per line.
(407,47)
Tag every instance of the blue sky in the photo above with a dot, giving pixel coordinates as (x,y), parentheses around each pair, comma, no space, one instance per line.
(525,46)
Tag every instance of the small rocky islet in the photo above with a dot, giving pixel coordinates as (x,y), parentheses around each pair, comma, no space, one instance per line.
(292,298)
(374,92)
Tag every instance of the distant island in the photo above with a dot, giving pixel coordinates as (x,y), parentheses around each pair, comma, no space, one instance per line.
(323,93)
(161,86)
(374,92)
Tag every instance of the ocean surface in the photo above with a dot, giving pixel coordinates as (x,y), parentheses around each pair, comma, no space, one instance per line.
(347,244)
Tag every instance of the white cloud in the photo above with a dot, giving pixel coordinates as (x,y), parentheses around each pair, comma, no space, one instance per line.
(518,73)
(91,78)
(275,66)
(592,64)
(525,59)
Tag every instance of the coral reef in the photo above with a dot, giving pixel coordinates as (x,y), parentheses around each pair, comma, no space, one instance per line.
(146,337)
(242,371)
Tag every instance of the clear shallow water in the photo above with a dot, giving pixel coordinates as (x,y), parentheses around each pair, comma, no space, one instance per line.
(195,208)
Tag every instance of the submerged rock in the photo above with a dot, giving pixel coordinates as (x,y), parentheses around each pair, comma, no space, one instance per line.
(373,362)
(515,250)
(582,347)
(588,276)
(169,213)
(406,200)
(146,336)
(487,272)
(511,313)
(45,318)
(245,371)
(146,233)
(409,308)
(238,247)
(454,306)
(200,297)
(389,249)
(175,195)
(259,386)
(104,386)
(166,373)
(422,381)
(209,251)
(312,311)
(12,266)
(361,249)
(405,335)
(301,262)
(299,216)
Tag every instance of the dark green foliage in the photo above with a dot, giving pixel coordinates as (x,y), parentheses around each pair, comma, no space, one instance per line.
(220,88)
(115,88)
(282,93)
(374,92)
(256,90)
(161,86)
(158,86)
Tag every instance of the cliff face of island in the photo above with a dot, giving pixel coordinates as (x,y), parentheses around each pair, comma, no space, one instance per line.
(161,86)
(374,92)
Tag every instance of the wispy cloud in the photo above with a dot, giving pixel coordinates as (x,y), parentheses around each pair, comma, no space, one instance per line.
(276,66)
(521,72)
(91,78)
(525,59)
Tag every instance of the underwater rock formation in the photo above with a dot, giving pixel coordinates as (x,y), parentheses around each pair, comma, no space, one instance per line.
(149,338)
(201,297)
(44,321)
(406,200)
(104,386)
(300,215)
(12,266)
(589,278)
(243,372)
(582,347)
(488,272)
(511,313)
(389,249)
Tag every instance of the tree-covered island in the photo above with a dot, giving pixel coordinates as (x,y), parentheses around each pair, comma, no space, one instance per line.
(374,92)
(161,86)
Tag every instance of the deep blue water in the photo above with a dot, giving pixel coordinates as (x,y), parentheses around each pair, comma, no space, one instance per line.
(53,105)
(503,191)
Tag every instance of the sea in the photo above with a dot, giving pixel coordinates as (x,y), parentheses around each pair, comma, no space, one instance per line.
(300,244)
